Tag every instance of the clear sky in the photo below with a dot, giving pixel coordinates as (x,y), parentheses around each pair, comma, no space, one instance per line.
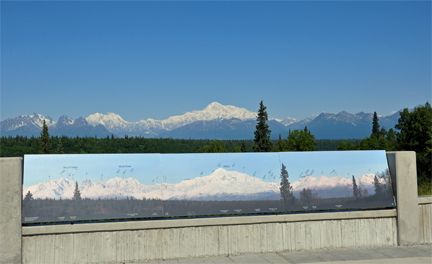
(143,59)
(150,169)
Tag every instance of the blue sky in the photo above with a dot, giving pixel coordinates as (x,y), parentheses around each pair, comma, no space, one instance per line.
(144,59)
(149,169)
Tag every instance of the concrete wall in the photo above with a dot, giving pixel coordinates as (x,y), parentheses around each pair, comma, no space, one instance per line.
(403,170)
(425,216)
(10,209)
(347,229)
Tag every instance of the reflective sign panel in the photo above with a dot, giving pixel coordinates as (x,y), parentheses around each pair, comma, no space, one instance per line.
(119,186)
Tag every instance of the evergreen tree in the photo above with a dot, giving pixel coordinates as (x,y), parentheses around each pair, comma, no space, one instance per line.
(28,197)
(391,134)
(77,193)
(356,190)
(45,141)
(262,132)
(214,147)
(369,143)
(243,147)
(346,145)
(307,197)
(280,145)
(378,187)
(285,188)
(27,206)
(375,126)
(60,147)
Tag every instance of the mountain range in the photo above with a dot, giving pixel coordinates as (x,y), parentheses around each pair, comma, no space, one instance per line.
(216,121)
(220,185)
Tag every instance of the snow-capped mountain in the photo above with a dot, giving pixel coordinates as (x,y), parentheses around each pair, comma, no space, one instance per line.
(220,185)
(233,128)
(116,124)
(216,121)
(287,121)
(343,125)
(334,187)
(223,185)
(62,188)
(31,125)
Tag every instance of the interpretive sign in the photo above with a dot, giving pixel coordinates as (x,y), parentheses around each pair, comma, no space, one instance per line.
(65,188)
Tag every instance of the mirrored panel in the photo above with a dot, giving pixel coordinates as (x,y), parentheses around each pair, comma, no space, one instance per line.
(68,188)
(336,180)
(93,186)
(220,183)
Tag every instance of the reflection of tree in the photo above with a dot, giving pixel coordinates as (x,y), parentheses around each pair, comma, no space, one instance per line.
(364,192)
(382,184)
(285,188)
(28,197)
(379,191)
(77,193)
(307,197)
(356,190)
(27,203)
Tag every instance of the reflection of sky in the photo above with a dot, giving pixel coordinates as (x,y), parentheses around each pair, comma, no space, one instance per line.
(149,168)
(178,167)
(345,163)
(37,168)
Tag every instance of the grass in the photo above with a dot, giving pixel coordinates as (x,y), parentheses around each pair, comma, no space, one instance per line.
(424,187)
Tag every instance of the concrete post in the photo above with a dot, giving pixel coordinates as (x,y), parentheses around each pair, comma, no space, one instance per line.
(10,209)
(403,170)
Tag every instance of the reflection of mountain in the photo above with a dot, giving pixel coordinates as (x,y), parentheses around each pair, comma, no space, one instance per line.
(113,188)
(52,189)
(221,185)
(334,187)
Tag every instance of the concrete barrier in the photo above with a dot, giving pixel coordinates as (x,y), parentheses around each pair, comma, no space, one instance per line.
(169,239)
(425,216)
(403,170)
(130,241)
(10,209)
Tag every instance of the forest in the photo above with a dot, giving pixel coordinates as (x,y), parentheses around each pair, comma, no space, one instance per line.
(18,146)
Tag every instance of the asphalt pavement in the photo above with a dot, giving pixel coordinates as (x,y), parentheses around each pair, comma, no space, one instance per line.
(409,254)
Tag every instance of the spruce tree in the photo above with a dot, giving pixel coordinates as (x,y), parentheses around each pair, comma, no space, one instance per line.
(77,193)
(60,147)
(285,188)
(375,126)
(214,147)
(378,187)
(243,147)
(45,141)
(262,132)
(28,197)
(280,144)
(356,190)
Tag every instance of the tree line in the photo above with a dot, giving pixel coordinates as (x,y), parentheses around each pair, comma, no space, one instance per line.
(18,146)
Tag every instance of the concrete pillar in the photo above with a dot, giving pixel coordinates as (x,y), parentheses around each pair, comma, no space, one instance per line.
(403,169)
(10,209)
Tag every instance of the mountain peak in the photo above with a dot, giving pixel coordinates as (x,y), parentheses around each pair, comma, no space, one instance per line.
(213,105)
(65,120)
(110,120)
